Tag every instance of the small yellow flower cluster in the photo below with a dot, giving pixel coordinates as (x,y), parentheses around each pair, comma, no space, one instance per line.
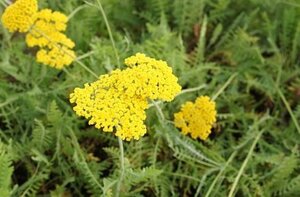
(149,78)
(55,46)
(197,118)
(44,29)
(18,16)
(117,101)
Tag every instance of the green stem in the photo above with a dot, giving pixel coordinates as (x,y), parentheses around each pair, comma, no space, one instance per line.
(212,186)
(122,167)
(155,152)
(182,175)
(69,74)
(195,152)
(83,160)
(5,4)
(290,3)
(180,93)
(85,55)
(56,45)
(109,32)
(237,178)
(10,100)
(76,10)
(221,90)
(192,89)
(161,114)
(288,107)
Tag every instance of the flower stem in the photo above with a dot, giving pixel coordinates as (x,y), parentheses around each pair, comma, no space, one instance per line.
(161,114)
(212,186)
(122,167)
(237,178)
(109,32)
(5,4)
(56,45)
(76,10)
(192,89)
(221,90)
(288,107)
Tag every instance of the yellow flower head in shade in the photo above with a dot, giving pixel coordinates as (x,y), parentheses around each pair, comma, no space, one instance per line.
(47,33)
(197,118)
(117,101)
(20,15)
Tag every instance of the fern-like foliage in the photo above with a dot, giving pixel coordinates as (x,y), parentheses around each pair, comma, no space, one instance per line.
(187,14)
(90,177)
(291,188)
(6,171)
(284,170)
(33,185)
(41,137)
(143,175)
(185,150)
(240,52)
(54,115)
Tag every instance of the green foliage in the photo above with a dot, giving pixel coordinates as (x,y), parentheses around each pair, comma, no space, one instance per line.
(244,54)
(6,171)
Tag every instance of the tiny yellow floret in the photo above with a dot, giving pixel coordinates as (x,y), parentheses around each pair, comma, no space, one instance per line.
(45,29)
(197,118)
(149,78)
(117,101)
(47,33)
(19,16)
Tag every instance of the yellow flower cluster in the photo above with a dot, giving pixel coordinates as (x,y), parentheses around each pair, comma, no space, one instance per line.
(55,46)
(149,78)
(44,29)
(117,101)
(18,16)
(197,118)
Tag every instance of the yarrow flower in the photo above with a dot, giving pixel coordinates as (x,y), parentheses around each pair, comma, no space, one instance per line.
(117,101)
(45,29)
(197,118)
(19,16)
(149,78)
(55,46)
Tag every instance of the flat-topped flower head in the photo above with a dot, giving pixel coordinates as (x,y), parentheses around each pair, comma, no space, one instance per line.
(150,78)
(197,118)
(47,33)
(19,16)
(117,101)
(108,108)
(56,57)
(45,29)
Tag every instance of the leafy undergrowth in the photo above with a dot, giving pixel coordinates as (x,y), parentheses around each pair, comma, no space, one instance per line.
(245,55)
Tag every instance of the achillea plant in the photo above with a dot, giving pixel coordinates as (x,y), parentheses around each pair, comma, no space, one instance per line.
(18,17)
(55,46)
(197,118)
(117,101)
(44,29)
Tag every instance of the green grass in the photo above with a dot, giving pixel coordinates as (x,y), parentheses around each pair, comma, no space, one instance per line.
(243,54)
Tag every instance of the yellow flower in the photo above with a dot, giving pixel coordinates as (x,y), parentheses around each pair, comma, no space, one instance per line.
(110,109)
(56,48)
(57,57)
(197,118)
(149,78)
(44,29)
(117,101)
(20,15)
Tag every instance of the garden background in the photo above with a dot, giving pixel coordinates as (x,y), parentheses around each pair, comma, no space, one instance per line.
(243,54)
